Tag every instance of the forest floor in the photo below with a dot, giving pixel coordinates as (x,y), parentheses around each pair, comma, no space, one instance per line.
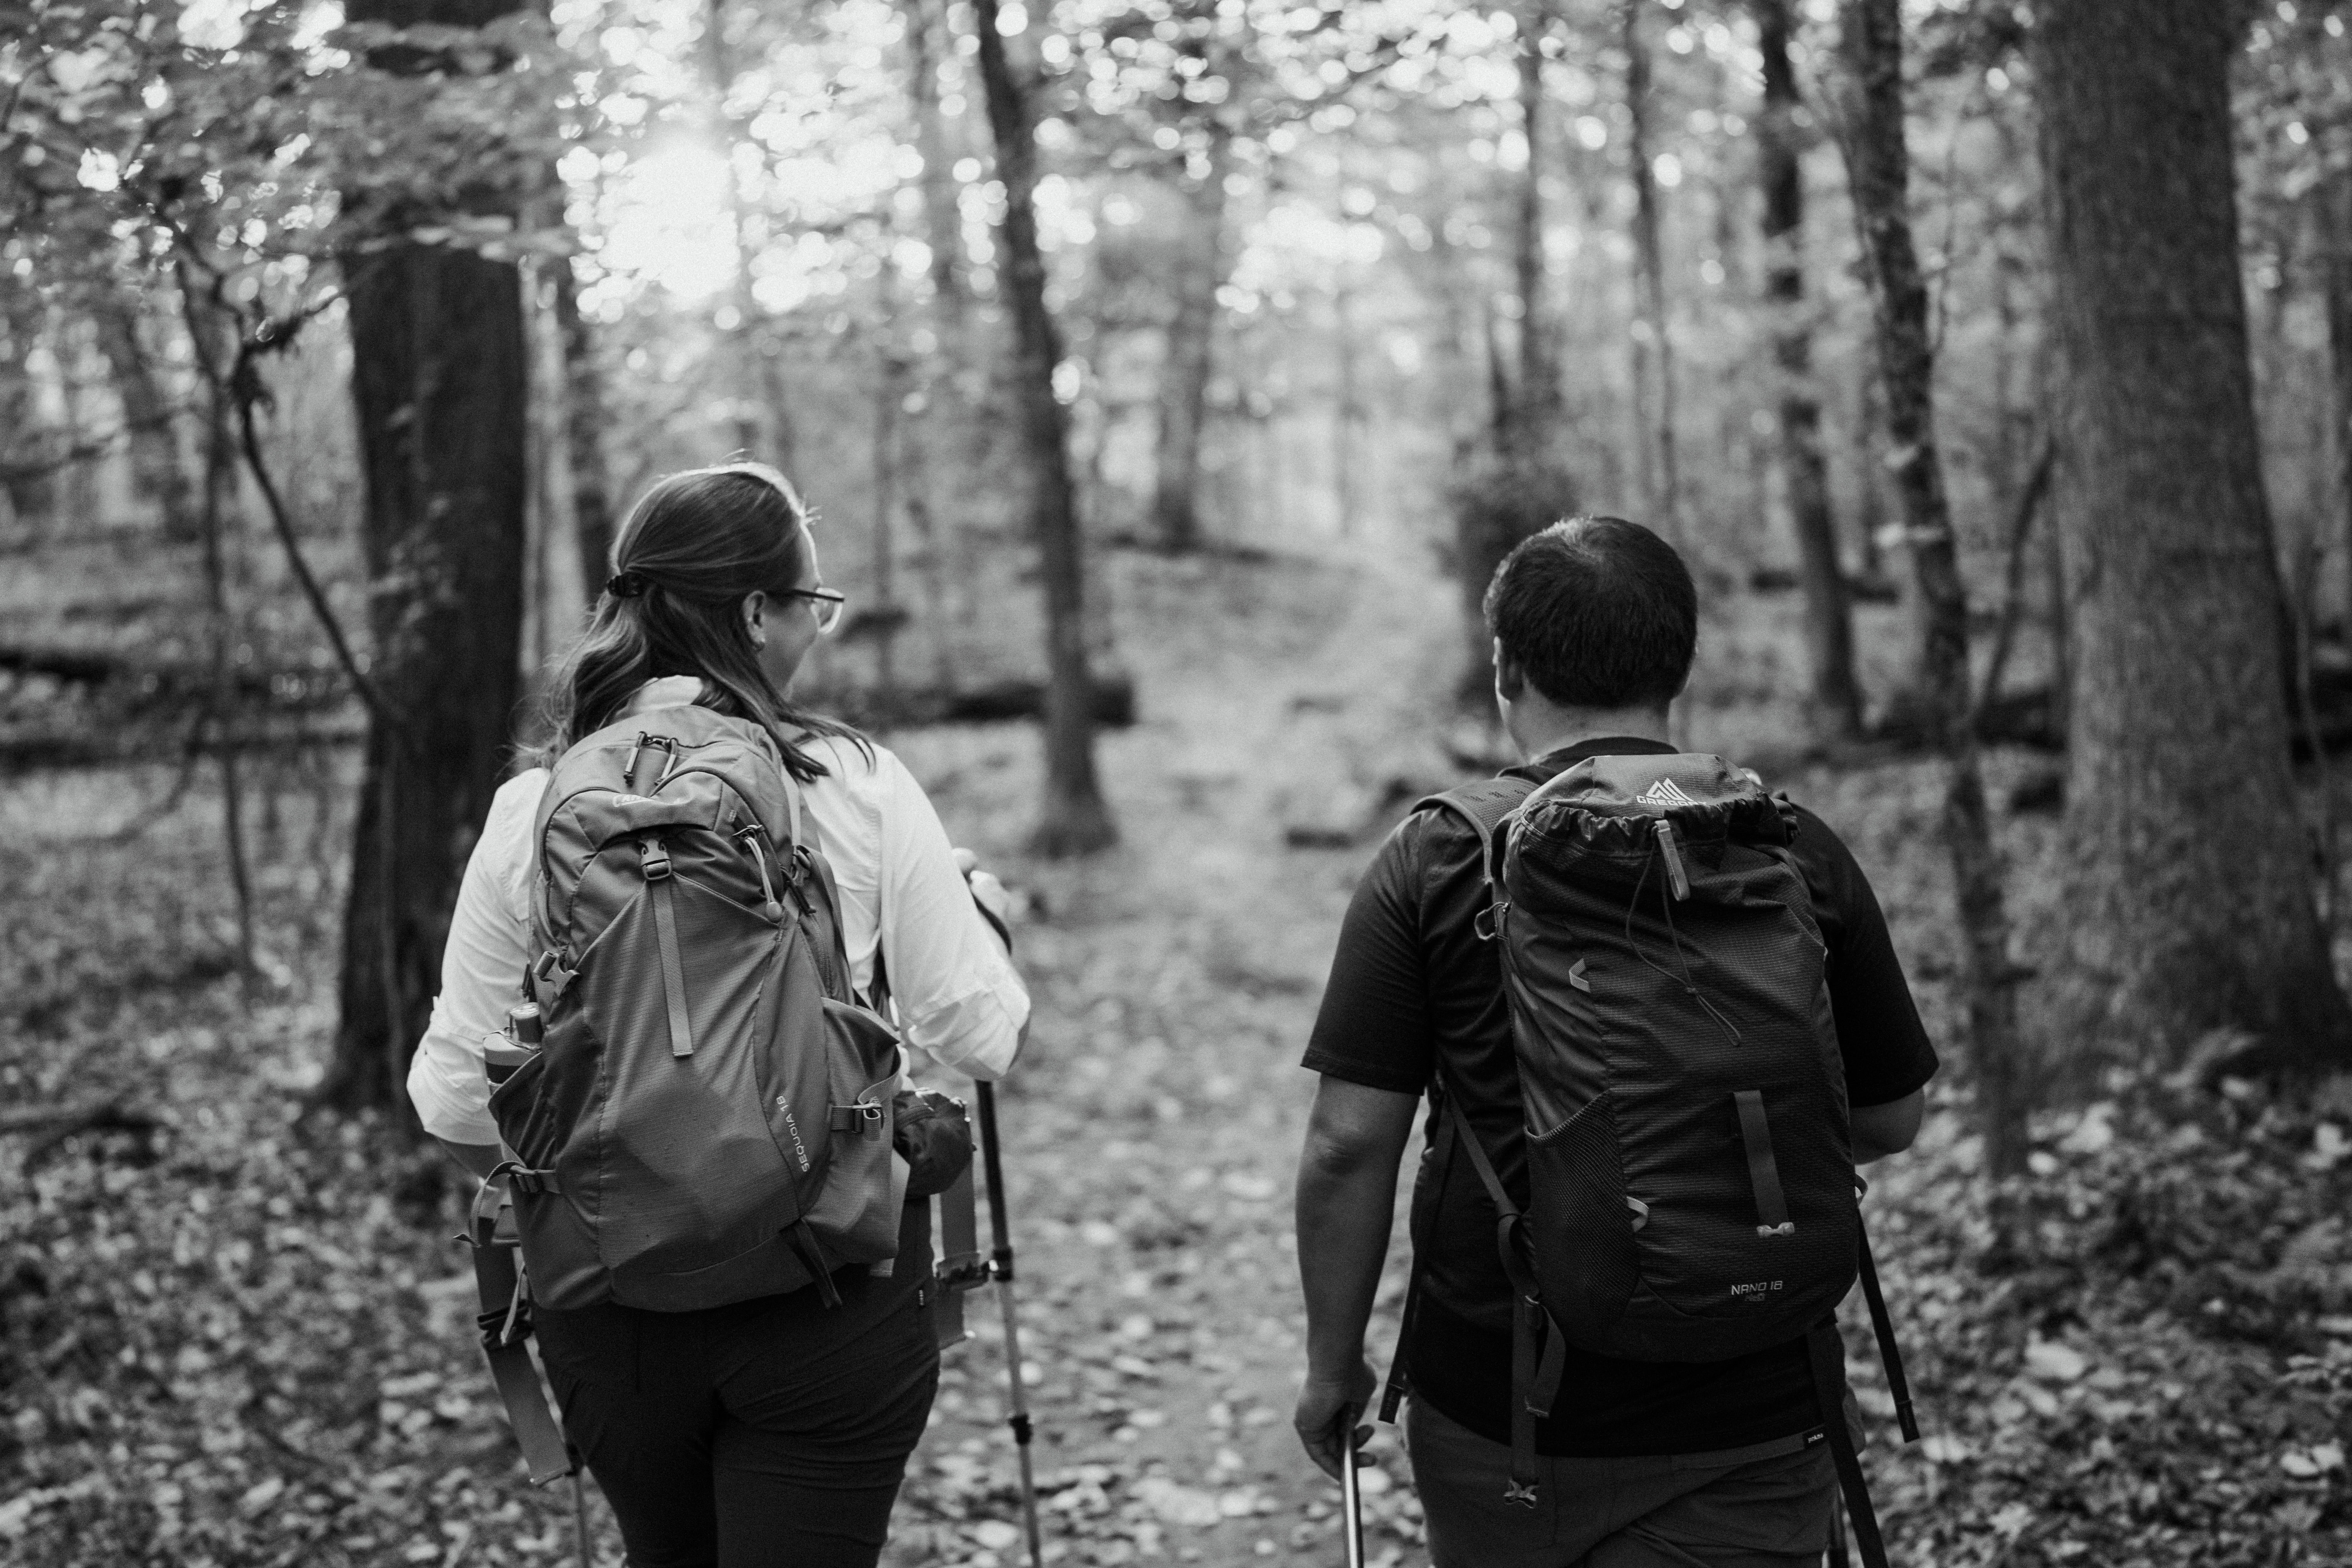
(244,1337)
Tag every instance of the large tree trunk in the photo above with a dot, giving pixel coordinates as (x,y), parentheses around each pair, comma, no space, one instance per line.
(1829,612)
(438,375)
(1653,360)
(1878,170)
(1075,820)
(1191,332)
(2191,899)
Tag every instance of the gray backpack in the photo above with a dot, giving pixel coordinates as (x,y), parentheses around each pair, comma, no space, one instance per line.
(707,1117)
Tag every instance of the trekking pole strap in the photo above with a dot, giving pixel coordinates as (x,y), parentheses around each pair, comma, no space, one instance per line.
(1882,1325)
(1827,1352)
(505,1322)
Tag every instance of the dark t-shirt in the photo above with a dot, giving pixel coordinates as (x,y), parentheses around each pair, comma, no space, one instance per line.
(1411,980)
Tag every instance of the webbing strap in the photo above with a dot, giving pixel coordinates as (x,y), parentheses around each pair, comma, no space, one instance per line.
(681,1026)
(505,1324)
(1889,1353)
(1763,1173)
(1528,1320)
(1827,1352)
(1399,1378)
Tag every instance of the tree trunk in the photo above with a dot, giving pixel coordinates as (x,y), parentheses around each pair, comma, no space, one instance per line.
(2336,213)
(1075,820)
(158,473)
(437,378)
(583,436)
(1649,249)
(30,485)
(942,214)
(2191,899)
(763,422)
(1534,409)
(1184,376)
(1829,614)
(1878,171)
(211,344)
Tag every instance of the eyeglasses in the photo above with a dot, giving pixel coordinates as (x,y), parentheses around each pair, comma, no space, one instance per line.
(826,604)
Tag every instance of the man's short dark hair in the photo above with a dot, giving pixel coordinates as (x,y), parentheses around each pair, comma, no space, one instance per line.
(1596,612)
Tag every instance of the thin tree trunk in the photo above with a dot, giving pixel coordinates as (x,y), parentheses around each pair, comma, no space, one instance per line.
(584,434)
(1650,252)
(2191,896)
(1192,335)
(942,214)
(219,493)
(1878,171)
(762,424)
(438,382)
(2336,213)
(951,384)
(1075,820)
(158,472)
(32,492)
(1829,612)
(889,394)
(1536,409)
(1349,416)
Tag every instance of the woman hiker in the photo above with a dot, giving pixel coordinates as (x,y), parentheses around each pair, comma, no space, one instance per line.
(772,1430)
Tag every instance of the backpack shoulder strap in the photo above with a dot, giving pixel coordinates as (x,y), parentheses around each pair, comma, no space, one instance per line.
(1485,805)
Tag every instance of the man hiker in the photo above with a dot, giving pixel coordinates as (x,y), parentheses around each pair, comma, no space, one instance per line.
(1689,1458)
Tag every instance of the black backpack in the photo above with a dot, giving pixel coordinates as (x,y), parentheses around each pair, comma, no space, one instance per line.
(1691,1192)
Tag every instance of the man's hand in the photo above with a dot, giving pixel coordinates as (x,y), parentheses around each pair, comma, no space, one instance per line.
(986,889)
(1326,1408)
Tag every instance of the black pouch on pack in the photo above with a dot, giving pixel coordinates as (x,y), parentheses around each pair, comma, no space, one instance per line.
(932,1133)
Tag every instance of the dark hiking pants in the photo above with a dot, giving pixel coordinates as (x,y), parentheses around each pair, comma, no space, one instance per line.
(1766,1507)
(770,1434)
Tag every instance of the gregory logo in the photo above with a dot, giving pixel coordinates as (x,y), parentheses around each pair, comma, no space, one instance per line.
(1756,1291)
(1664,792)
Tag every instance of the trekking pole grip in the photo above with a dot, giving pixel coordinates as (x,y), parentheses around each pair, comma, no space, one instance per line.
(992,1168)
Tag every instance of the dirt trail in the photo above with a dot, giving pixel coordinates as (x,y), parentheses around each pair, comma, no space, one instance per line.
(1153,1126)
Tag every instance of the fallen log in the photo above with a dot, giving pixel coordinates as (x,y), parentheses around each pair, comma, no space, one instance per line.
(54,1124)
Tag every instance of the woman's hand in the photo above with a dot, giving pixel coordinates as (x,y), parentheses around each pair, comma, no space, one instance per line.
(987,892)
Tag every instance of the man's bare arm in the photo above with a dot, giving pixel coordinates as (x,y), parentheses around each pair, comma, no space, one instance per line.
(1347,1195)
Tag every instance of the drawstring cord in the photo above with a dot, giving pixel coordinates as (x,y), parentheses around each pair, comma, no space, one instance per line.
(1689,985)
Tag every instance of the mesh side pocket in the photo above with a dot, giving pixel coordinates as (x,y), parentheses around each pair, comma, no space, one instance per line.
(1586,1258)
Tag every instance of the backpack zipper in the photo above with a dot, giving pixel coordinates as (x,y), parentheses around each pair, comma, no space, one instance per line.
(751,836)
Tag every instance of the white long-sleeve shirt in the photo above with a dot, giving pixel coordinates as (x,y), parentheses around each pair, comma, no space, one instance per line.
(958,996)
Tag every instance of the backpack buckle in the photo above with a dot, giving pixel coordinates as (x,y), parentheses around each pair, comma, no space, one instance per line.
(865,1118)
(1786,1227)
(654,860)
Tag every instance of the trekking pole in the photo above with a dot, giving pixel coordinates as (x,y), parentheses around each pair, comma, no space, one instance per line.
(1351,1496)
(1001,1263)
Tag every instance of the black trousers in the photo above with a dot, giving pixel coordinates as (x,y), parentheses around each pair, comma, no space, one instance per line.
(770,1434)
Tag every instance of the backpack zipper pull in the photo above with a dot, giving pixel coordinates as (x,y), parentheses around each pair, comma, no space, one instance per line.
(666,743)
(774,911)
(1677,878)
(629,774)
